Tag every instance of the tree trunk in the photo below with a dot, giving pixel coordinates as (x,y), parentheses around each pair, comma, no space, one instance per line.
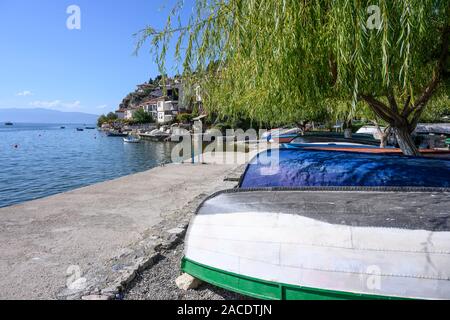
(383,140)
(348,133)
(406,142)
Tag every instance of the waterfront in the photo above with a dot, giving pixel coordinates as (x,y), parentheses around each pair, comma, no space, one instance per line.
(105,231)
(39,160)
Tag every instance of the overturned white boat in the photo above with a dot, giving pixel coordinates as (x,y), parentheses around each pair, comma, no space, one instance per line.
(324,244)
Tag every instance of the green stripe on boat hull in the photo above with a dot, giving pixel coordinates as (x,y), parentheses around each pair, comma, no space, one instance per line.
(267,290)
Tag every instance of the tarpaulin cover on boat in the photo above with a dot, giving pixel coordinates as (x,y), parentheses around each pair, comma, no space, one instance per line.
(300,168)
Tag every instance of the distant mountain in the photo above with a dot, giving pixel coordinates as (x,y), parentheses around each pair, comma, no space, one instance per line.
(16,115)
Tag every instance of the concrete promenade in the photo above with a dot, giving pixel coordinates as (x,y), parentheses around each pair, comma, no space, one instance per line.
(54,248)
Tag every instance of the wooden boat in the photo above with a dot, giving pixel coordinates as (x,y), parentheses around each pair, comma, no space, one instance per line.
(345,147)
(90,128)
(425,152)
(281,135)
(328,137)
(80,129)
(328,225)
(324,243)
(9,124)
(371,130)
(358,143)
(436,128)
(284,138)
(328,145)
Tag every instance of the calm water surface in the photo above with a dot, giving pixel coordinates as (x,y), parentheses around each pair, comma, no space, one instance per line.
(42,160)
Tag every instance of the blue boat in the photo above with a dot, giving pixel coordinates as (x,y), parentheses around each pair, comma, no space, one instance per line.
(290,168)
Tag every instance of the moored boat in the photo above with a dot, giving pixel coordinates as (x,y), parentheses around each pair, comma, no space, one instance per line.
(9,124)
(355,147)
(156,135)
(131,139)
(116,134)
(80,129)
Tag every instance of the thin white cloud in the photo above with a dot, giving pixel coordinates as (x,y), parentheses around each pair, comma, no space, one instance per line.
(24,93)
(103,106)
(56,104)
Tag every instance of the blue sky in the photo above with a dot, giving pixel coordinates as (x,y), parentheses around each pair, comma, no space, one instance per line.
(44,64)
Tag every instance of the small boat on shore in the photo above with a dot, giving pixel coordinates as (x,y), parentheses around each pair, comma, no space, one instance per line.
(329,137)
(328,145)
(327,225)
(359,148)
(90,128)
(80,129)
(9,124)
(62,127)
(291,168)
(281,135)
(323,243)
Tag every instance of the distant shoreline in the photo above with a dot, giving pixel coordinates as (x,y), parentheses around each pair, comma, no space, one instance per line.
(48,123)
(45,116)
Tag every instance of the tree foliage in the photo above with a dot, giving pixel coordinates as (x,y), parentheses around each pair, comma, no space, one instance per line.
(280,61)
(110,117)
(140,116)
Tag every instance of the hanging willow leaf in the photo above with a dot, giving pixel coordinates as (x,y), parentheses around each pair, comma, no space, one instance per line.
(270,60)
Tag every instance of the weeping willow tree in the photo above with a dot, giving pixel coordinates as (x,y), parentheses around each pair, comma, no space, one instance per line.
(281,61)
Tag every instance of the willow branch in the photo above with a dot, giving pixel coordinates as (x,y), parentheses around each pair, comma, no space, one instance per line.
(392,101)
(379,108)
(406,106)
(437,75)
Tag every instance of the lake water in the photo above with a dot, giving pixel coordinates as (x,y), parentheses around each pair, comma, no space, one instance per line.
(42,160)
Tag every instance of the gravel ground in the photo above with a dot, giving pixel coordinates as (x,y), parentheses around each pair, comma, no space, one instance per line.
(158,283)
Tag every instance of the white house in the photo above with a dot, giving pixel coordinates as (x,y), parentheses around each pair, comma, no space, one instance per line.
(129,113)
(167,110)
(151,106)
(121,114)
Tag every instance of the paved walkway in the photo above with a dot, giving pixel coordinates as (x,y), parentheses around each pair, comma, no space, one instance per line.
(88,227)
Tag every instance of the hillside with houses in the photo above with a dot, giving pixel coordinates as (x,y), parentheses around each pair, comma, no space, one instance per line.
(163,100)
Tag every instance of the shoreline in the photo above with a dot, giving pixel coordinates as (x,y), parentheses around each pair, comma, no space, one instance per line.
(81,187)
(42,160)
(94,239)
